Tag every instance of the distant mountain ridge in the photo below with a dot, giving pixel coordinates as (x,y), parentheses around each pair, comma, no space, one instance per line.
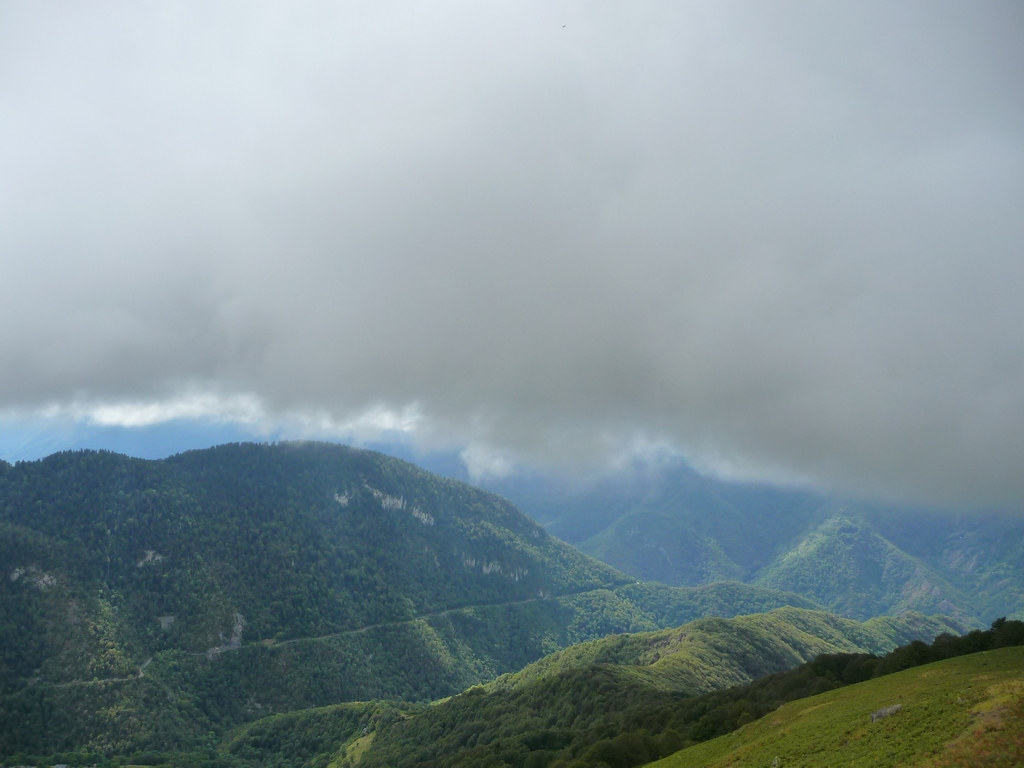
(669,523)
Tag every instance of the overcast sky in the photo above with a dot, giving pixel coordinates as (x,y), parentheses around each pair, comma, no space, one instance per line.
(783,238)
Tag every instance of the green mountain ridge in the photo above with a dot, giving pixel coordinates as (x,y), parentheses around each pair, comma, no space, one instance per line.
(584,693)
(791,635)
(845,564)
(157,604)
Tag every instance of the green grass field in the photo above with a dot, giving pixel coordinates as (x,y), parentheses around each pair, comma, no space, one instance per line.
(967,711)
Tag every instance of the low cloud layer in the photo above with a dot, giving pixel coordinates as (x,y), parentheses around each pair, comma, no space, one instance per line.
(785,235)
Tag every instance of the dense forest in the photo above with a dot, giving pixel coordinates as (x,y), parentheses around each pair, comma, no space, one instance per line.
(158,604)
(234,606)
(596,715)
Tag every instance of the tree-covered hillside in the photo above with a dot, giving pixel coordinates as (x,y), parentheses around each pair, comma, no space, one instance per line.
(154,604)
(561,709)
(713,653)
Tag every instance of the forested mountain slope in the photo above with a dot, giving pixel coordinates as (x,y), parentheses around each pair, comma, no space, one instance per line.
(567,702)
(154,604)
(671,524)
(715,652)
(619,702)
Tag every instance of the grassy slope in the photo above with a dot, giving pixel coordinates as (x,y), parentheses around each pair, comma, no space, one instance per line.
(942,703)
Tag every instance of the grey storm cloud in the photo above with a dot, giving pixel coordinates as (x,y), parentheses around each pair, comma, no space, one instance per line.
(789,234)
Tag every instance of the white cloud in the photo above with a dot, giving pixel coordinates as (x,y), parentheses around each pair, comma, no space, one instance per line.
(786,236)
(244,409)
(483,462)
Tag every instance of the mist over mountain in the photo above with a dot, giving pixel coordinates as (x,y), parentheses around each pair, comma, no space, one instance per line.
(666,522)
